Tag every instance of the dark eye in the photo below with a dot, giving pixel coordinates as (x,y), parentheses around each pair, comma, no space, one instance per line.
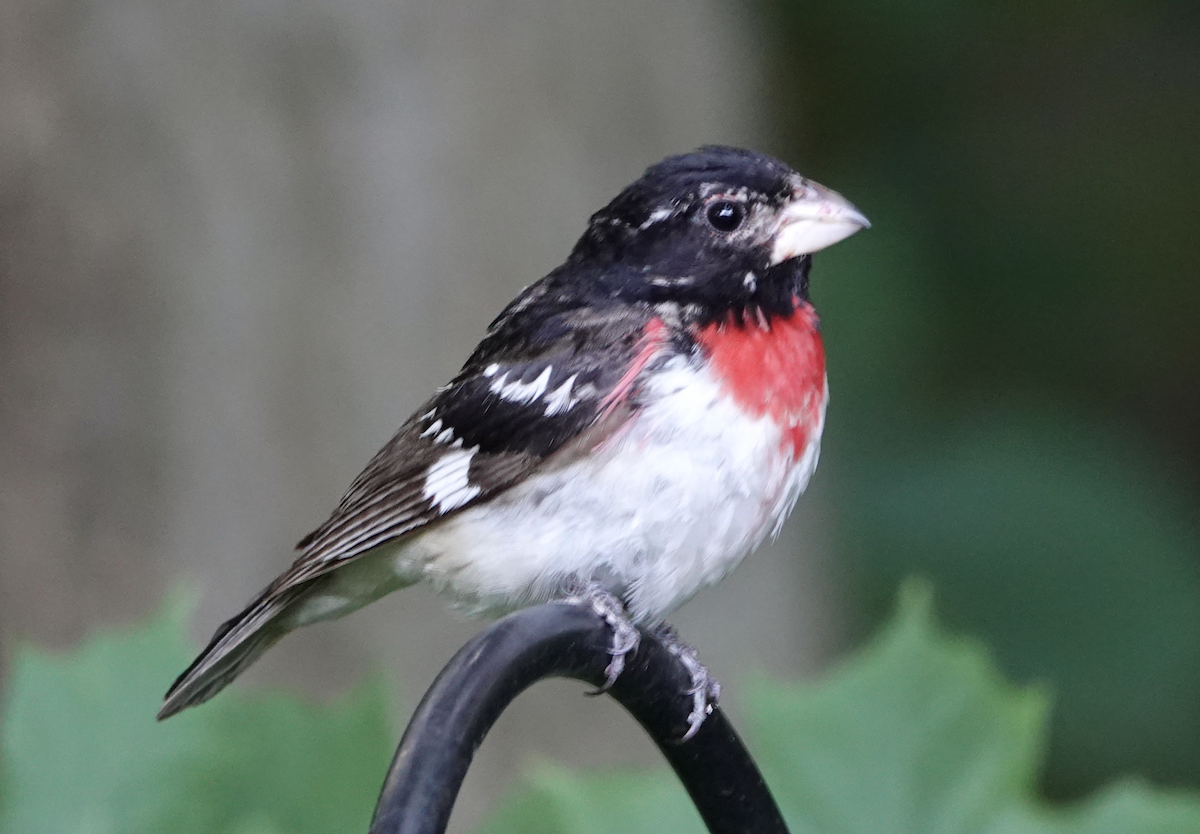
(725,216)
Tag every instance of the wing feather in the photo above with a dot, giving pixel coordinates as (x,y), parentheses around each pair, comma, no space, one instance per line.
(535,390)
(512,410)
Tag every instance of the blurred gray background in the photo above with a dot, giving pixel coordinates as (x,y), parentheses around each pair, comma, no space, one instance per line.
(239,242)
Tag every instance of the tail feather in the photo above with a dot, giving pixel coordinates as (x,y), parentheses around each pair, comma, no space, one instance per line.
(237,644)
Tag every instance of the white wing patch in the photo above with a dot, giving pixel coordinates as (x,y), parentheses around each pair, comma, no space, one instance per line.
(440,433)
(434,427)
(521,392)
(560,400)
(447,484)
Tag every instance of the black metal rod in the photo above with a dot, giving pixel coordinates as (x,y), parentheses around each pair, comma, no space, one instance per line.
(563,640)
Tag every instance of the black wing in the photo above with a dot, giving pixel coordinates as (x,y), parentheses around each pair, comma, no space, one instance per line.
(526,394)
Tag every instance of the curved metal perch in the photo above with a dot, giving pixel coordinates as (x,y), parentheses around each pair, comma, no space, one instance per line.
(562,640)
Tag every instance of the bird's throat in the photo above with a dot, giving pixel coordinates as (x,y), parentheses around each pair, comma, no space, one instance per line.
(772,366)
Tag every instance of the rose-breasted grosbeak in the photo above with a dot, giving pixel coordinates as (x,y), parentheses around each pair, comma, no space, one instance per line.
(631,426)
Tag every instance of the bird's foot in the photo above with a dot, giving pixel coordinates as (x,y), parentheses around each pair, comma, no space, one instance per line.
(625,637)
(705,691)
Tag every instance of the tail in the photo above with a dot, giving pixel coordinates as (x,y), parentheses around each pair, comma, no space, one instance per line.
(236,645)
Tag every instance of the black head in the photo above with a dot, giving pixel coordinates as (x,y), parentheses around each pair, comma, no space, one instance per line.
(719,228)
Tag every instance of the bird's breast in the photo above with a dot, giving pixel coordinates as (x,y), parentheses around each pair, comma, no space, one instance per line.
(666,505)
(772,367)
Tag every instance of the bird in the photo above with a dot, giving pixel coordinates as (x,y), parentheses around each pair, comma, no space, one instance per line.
(630,427)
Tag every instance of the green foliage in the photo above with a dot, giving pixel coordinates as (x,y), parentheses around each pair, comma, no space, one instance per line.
(917,733)
(1072,556)
(82,752)
(558,801)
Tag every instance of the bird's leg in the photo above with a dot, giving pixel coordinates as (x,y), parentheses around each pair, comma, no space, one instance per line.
(608,607)
(705,690)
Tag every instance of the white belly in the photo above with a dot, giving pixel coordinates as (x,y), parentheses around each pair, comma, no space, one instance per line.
(667,506)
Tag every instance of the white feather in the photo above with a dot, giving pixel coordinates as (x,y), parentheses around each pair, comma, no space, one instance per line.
(521,392)
(560,399)
(434,427)
(447,484)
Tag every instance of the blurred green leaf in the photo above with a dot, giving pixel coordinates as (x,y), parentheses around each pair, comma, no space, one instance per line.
(82,752)
(917,733)
(1126,808)
(558,800)
(1073,556)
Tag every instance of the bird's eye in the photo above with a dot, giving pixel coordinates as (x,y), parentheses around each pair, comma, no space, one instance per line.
(725,216)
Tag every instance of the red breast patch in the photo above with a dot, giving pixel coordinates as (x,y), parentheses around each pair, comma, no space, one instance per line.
(774,367)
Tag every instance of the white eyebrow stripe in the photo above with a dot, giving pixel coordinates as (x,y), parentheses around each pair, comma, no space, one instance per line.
(447,483)
(560,399)
(522,392)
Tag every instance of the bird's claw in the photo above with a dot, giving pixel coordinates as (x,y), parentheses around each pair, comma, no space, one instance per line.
(704,691)
(625,637)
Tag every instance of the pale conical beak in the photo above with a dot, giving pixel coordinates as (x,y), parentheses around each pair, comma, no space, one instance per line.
(818,217)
